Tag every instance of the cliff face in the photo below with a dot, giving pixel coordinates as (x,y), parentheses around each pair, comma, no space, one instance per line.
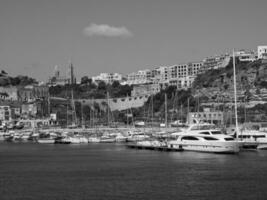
(218,84)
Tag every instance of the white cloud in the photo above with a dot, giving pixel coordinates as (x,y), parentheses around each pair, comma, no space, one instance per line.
(106,30)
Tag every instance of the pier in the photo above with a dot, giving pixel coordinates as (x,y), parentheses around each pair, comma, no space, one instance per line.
(162,148)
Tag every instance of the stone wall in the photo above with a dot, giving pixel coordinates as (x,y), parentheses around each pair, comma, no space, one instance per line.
(117,103)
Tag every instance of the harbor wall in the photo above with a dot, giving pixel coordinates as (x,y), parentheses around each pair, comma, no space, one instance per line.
(116,103)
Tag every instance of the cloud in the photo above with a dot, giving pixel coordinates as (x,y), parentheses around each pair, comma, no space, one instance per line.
(106,30)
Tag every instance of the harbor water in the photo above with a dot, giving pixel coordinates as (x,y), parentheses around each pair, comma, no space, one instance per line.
(112,171)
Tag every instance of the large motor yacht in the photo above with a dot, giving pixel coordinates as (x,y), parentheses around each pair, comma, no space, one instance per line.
(206,138)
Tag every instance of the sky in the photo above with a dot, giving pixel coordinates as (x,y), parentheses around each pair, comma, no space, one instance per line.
(123,35)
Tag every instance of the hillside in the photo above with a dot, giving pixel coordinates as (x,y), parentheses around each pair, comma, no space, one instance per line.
(6,80)
(217,84)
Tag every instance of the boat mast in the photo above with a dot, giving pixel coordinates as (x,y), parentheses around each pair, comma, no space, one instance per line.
(188,110)
(108,106)
(67,115)
(235,95)
(73,107)
(152,116)
(83,125)
(48,104)
(166,114)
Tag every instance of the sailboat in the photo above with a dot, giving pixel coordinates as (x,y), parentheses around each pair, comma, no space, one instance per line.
(178,122)
(247,139)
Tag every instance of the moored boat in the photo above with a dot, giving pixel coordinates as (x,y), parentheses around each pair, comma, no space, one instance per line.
(46,140)
(205,138)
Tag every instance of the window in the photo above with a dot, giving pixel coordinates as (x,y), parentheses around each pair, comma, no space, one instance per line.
(204,133)
(189,138)
(258,136)
(216,132)
(210,138)
(228,139)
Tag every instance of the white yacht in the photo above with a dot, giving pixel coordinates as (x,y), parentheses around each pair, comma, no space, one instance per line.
(253,139)
(206,138)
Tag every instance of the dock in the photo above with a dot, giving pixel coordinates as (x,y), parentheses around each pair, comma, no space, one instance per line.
(162,148)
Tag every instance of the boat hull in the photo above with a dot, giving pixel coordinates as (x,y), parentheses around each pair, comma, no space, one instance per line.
(262,146)
(46,141)
(211,147)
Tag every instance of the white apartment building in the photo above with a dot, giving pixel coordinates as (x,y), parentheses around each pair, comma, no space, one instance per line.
(262,52)
(140,77)
(183,75)
(216,62)
(194,68)
(245,55)
(108,78)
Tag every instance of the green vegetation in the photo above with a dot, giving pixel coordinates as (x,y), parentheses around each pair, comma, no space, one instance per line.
(89,90)
(6,80)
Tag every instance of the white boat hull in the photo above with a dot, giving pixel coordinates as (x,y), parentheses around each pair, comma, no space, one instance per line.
(93,140)
(107,140)
(262,146)
(212,147)
(46,141)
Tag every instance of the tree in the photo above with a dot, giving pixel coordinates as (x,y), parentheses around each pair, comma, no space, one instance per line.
(115,84)
(85,80)
(102,85)
(3,72)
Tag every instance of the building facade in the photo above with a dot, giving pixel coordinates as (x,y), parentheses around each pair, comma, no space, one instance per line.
(215,117)
(215,62)
(140,77)
(57,79)
(108,78)
(245,55)
(32,93)
(262,52)
(5,113)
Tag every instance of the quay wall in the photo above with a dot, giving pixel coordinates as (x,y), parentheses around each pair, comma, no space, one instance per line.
(116,103)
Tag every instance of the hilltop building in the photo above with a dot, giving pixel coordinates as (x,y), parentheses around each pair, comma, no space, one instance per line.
(262,52)
(108,78)
(56,79)
(246,55)
(215,62)
(140,77)
(183,75)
